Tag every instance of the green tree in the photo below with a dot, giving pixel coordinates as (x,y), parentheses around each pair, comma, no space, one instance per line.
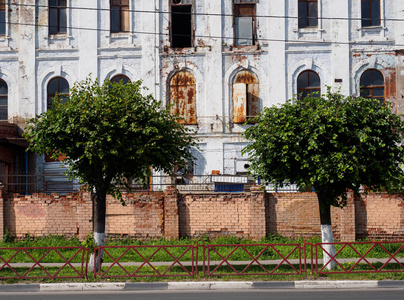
(110,134)
(332,144)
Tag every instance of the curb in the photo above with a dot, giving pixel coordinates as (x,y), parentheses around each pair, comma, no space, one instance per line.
(201,285)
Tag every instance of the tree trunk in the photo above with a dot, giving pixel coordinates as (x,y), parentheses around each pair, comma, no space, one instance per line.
(326,230)
(99,211)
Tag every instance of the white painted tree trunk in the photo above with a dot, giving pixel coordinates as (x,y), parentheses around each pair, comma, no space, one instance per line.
(99,240)
(327,237)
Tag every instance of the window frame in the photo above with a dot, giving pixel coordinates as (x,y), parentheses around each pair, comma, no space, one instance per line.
(315,90)
(239,3)
(307,14)
(60,28)
(4,108)
(122,9)
(370,17)
(3,14)
(50,96)
(372,87)
(125,79)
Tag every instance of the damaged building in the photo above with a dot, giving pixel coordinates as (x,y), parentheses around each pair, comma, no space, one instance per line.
(217,62)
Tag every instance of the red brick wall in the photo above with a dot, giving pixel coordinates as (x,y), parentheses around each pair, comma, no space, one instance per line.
(141,217)
(380,216)
(173,215)
(42,214)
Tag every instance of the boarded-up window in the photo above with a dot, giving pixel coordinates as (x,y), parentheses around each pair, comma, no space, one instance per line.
(181,23)
(119,15)
(372,85)
(308,83)
(246,101)
(244,24)
(183,96)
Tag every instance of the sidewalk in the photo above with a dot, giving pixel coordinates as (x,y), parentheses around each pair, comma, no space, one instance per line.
(201,285)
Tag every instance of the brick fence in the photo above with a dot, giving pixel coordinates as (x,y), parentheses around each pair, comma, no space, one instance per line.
(171,214)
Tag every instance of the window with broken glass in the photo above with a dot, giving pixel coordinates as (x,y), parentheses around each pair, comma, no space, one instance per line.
(370,13)
(372,85)
(246,101)
(307,11)
(244,22)
(181,23)
(119,15)
(57,16)
(308,84)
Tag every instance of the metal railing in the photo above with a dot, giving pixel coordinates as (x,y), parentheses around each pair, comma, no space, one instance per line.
(202,260)
(43,262)
(59,183)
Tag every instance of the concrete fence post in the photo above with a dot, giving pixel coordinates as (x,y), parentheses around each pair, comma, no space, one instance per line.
(171,213)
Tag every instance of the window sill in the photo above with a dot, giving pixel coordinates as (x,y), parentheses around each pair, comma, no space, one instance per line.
(372,28)
(119,34)
(58,36)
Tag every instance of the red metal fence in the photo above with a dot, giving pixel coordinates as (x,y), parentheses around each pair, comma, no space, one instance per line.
(364,257)
(202,260)
(145,261)
(43,262)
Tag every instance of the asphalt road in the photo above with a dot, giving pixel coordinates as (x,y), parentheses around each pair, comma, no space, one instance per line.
(357,294)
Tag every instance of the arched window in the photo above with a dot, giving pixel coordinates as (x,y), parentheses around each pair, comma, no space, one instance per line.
(59,86)
(120,77)
(372,85)
(308,83)
(3,101)
(246,101)
(183,96)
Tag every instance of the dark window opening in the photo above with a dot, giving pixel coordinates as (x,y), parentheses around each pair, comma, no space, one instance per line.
(57,16)
(181,26)
(308,84)
(119,15)
(3,101)
(308,16)
(2,17)
(370,13)
(57,86)
(372,85)
(246,101)
(244,24)
(119,78)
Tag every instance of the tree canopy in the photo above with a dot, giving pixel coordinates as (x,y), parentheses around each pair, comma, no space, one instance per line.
(110,133)
(331,143)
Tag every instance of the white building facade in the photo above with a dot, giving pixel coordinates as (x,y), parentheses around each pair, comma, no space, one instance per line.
(218,62)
